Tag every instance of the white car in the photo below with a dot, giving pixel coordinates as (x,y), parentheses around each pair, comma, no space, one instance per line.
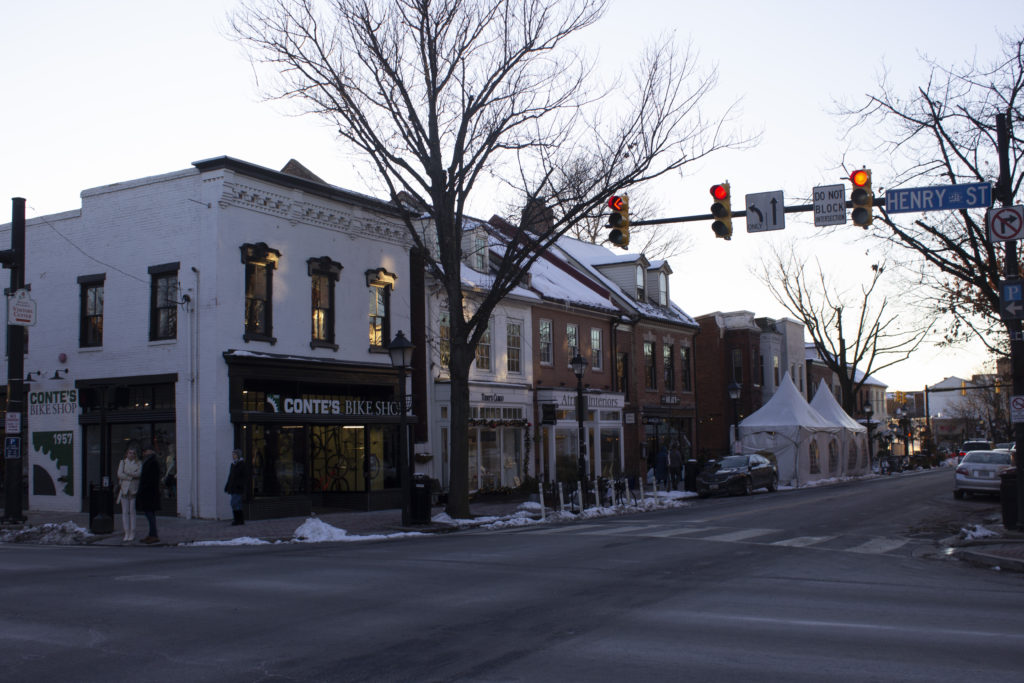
(979,472)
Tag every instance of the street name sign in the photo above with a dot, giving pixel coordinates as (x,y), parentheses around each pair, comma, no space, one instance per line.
(939,198)
(1005,223)
(829,205)
(1011,299)
(765,211)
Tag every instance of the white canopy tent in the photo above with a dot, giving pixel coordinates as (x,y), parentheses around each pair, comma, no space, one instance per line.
(853,456)
(796,434)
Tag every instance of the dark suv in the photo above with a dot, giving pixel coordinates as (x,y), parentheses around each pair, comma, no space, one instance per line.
(737,474)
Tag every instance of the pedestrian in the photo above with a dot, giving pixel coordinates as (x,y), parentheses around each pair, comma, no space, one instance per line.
(661,466)
(148,499)
(128,472)
(675,465)
(237,479)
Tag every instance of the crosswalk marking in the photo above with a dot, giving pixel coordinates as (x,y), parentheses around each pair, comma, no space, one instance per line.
(878,546)
(618,530)
(803,541)
(740,535)
(679,531)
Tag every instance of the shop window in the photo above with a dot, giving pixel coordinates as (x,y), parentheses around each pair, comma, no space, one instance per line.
(595,349)
(572,340)
(380,283)
(323,276)
(90,331)
(514,343)
(260,262)
(545,342)
(483,349)
(668,361)
(163,301)
(650,373)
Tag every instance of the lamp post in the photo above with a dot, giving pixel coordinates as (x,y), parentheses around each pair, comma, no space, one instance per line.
(734,389)
(868,412)
(579,366)
(400,350)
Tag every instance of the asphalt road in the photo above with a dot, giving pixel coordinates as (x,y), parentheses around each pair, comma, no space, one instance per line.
(839,583)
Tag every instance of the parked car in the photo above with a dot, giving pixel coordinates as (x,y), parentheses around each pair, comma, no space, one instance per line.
(1009,445)
(737,474)
(968,446)
(979,472)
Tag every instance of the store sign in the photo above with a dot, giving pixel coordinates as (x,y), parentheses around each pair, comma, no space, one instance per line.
(52,444)
(341,408)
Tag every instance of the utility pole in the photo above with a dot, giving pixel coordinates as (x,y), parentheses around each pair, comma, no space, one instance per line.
(1004,194)
(14,448)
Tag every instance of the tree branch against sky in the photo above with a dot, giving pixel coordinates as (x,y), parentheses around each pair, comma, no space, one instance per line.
(853,331)
(944,132)
(450,99)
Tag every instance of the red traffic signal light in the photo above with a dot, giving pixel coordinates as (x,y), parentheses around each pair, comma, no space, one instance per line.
(722,211)
(860,178)
(618,221)
(616,203)
(719,192)
(862,198)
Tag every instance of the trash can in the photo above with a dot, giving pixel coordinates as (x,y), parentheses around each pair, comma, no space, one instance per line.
(419,508)
(1008,497)
(101,509)
(690,471)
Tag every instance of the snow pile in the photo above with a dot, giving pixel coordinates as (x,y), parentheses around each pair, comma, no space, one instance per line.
(64,533)
(975,532)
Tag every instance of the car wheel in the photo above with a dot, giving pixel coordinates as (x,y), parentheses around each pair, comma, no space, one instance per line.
(703,494)
(773,485)
(748,487)
(958,494)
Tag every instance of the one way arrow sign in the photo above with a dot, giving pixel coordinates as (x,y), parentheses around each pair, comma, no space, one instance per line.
(765,211)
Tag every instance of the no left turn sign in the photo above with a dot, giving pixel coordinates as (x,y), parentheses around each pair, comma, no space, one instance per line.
(1006,223)
(1017,409)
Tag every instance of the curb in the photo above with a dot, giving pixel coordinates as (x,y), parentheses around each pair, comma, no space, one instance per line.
(983,559)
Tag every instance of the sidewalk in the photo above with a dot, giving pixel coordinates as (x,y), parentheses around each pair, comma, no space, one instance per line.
(995,547)
(181,531)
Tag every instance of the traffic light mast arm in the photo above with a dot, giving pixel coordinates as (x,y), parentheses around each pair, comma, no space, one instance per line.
(878,201)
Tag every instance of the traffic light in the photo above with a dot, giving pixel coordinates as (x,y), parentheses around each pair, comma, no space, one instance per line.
(618,220)
(862,198)
(722,211)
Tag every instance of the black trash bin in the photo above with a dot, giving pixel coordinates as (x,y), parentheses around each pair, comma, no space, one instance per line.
(1008,497)
(101,509)
(690,471)
(419,508)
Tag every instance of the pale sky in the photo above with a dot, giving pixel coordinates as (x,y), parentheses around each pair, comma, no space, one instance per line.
(110,90)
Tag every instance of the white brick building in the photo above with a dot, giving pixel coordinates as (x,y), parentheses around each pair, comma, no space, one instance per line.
(222,306)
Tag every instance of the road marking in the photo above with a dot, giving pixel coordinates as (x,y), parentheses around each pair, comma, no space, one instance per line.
(669,533)
(740,535)
(803,541)
(878,546)
(619,530)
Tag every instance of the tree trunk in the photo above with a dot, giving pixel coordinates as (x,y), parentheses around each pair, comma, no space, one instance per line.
(462,356)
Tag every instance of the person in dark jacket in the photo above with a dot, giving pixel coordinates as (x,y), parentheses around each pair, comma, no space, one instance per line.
(237,478)
(147,501)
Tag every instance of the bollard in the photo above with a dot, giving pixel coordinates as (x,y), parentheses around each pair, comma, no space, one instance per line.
(540,489)
(579,495)
(561,498)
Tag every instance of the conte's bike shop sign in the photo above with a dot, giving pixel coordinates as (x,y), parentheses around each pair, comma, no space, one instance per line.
(52,426)
(339,407)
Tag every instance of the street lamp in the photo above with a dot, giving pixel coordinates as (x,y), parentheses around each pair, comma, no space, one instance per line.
(579,366)
(868,412)
(401,349)
(734,389)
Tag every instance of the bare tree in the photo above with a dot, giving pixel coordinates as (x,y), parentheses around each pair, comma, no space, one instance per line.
(945,132)
(441,96)
(853,332)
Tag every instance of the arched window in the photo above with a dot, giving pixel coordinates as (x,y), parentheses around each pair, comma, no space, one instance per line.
(815,465)
(641,289)
(852,462)
(833,456)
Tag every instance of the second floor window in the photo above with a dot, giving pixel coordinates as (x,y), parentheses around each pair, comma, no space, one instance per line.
(544,338)
(260,262)
(650,374)
(737,366)
(662,289)
(595,348)
(380,283)
(445,339)
(91,318)
(572,339)
(641,285)
(622,373)
(668,364)
(483,350)
(163,302)
(323,274)
(684,369)
(514,336)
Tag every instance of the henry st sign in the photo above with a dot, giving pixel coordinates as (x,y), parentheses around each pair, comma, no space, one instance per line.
(939,198)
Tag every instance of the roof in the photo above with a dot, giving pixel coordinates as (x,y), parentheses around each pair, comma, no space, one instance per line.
(825,403)
(787,408)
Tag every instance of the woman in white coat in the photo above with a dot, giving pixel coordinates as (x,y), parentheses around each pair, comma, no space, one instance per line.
(127,488)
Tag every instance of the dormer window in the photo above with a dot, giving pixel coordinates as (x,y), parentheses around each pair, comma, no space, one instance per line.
(641,292)
(663,290)
(480,254)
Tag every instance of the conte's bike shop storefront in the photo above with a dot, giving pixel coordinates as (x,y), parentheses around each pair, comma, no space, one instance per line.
(558,440)
(316,434)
